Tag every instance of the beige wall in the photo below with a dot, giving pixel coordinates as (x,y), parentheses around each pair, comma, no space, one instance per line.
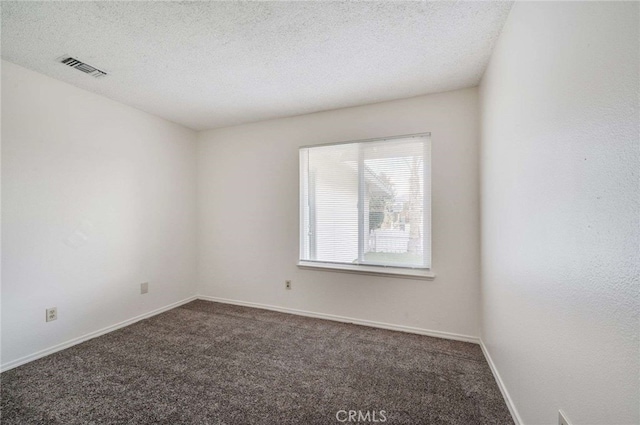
(560,207)
(97,197)
(248,223)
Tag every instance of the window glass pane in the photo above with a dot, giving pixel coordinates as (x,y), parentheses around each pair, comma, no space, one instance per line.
(394,203)
(333,203)
(367,202)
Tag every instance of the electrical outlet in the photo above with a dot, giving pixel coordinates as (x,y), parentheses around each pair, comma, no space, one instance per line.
(562,418)
(287,284)
(52,314)
(144,287)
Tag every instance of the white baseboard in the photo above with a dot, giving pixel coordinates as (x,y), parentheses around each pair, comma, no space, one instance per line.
(503,389)
(31,357)
(344,319)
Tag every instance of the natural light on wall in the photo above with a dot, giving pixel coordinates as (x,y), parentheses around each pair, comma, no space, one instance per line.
(366,205)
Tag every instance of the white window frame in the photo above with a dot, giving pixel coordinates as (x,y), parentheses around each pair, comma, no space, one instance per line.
(370,269)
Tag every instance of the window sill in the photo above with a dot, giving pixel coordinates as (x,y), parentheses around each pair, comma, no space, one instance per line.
(370,270)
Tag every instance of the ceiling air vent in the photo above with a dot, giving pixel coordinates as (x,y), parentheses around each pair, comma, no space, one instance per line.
(81,66)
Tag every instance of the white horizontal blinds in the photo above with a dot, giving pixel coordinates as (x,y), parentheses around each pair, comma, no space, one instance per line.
(304,207)
(427,201)
(366,203)
(332,203)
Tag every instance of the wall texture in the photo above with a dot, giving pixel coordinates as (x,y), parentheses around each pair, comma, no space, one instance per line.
(248,223)
(97,197)
(560,208)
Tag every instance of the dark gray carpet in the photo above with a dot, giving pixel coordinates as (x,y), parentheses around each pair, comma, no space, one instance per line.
(210,363)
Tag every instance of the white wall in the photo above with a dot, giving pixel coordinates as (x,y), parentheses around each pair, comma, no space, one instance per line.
(75,165)
(560,209)
(248,215)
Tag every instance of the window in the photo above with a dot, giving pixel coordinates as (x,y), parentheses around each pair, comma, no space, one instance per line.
(366,206)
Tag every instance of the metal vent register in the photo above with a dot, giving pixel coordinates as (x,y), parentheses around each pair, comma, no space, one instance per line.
(81,66)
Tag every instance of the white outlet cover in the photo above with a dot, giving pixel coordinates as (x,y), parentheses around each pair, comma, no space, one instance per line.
(52,314)
(144,287)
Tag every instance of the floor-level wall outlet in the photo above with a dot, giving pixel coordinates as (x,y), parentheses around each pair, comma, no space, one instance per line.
(52,314)
(562,418)
(144,287)
(287,284)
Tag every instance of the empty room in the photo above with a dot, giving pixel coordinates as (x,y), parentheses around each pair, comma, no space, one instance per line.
(320,212)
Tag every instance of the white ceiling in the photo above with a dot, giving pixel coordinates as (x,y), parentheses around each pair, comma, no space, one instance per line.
(214,64)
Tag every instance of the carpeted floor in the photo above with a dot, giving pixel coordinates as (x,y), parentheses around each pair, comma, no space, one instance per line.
(210,363)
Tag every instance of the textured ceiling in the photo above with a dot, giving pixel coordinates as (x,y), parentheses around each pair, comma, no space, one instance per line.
(213,64)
